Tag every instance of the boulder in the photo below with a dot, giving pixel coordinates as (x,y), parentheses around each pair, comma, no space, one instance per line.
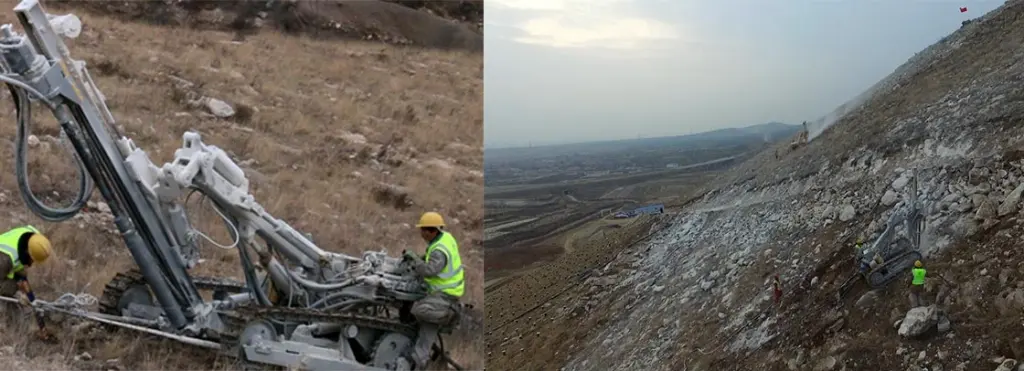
(918,321)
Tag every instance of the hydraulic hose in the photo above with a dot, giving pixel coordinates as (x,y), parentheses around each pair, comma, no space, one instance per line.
(19,93)
(338,295)
(314,286)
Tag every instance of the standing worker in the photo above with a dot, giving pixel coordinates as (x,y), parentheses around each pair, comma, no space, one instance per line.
(441,270)
(24,247)
(917,285)
(776,289)
(860,256)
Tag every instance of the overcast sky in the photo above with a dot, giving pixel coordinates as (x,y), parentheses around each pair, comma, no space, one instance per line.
(558,71)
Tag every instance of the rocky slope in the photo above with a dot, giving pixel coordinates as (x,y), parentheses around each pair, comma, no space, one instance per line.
(432,24)
(698,295)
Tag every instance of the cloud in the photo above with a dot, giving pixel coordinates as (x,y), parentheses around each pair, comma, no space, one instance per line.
(585,24)
(531,4)
(617,33)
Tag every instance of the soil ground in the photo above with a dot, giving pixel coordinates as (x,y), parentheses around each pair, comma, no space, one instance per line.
(521,238)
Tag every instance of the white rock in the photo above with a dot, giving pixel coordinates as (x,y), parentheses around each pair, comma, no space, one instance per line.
(352,138)
(219,108)
(900,182)
(706,285)
(847,213)
(1009,205)
(889,198)
(827,363)
(918,321)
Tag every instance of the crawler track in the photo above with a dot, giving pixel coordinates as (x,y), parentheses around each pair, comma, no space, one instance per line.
(892,269)
(237,319)
(121,282)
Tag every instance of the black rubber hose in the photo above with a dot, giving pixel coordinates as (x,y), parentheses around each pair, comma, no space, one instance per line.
(85,185)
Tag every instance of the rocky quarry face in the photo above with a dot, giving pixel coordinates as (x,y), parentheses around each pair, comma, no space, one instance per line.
(701,296)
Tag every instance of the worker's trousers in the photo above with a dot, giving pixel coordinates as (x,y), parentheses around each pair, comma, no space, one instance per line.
(9,288)
(433,311)
(915,295)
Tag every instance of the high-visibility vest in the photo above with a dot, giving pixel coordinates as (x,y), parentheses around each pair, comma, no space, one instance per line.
(9,246)
(450,280)
(918,276)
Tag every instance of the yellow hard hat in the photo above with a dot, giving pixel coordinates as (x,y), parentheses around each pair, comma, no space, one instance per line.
(860,240)
(430,219)
(39,248)
(917,264)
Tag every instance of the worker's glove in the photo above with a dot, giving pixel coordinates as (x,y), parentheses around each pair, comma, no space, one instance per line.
(23,299)
(408,255)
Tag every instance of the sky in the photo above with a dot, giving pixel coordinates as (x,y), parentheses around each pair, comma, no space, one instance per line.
(564,71)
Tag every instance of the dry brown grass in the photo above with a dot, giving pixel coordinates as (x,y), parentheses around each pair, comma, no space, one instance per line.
(301,97)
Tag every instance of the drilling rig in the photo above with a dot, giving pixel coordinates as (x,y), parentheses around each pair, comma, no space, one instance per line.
(801,138)
(299,306)
(898,247)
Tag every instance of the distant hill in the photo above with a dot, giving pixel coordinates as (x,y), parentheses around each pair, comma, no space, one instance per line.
(761,133)
(730,137)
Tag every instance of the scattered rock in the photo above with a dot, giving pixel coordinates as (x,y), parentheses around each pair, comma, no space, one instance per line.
(706,284)
(867,299)
(351,138)
(392,195)
(977,175)
(943,326)
(218,107)
(439,164)
(1011,202)
(985,209)
(918,321)
(249,90)
(889,198)
(826,363)
(847,213)
(1011,302)
(900,182)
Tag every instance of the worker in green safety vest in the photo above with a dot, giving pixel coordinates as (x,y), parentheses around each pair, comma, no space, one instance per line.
(917,285)
(863,265)
(23,247)
(441,270)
